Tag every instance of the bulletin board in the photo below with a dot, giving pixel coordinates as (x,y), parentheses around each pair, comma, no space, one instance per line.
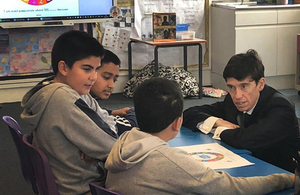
(26,52)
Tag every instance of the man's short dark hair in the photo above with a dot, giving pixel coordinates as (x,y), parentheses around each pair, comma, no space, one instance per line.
(243,65)
(109,56)
(158,102)
(72,46)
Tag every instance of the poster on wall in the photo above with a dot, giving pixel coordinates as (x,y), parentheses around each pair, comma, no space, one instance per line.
(116,38)
(28,50)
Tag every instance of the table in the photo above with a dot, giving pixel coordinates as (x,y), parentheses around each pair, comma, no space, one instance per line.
(187,137)
(157,45)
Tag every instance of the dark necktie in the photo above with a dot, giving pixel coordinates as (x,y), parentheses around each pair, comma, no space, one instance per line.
(244,119)
(240,119)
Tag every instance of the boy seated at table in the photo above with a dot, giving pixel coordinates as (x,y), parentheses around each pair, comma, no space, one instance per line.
(141,161)
(66,122)
(108,74)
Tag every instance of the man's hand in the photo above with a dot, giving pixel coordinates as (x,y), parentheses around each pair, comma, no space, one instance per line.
(223,123)
(121,112)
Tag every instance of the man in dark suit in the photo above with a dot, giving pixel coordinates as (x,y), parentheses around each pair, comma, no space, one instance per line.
(253,116)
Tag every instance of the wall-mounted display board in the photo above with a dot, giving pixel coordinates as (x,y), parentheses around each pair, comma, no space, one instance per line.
(27,51)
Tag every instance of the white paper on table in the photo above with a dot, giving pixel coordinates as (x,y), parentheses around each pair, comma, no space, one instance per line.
(215,156)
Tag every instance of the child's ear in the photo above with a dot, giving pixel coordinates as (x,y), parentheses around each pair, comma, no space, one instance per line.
(63,68)
(177,123)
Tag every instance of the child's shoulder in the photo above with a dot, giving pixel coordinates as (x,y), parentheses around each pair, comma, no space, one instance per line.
(61,92)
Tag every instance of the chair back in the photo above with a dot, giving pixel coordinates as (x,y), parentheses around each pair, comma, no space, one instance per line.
(25,162)
(44,177)
(99,190)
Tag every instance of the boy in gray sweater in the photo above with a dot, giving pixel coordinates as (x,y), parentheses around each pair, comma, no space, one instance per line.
(141,162)
(66,121)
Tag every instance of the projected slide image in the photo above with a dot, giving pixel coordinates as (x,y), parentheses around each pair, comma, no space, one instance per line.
(36,2)
(14,9)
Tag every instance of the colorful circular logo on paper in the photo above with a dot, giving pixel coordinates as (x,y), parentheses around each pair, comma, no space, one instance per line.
(36,2)
(207,156)
(115,11)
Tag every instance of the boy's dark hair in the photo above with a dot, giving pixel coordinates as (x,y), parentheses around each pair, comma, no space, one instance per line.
(242,65)
(72,46)
(157,102)
(109,56)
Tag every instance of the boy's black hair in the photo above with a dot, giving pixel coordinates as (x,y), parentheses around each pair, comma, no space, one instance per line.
(243,65)
(72,46)
(157,102)
(109,56)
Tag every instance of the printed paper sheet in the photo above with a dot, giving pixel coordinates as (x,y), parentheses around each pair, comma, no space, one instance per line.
(117,38)
(215,156)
